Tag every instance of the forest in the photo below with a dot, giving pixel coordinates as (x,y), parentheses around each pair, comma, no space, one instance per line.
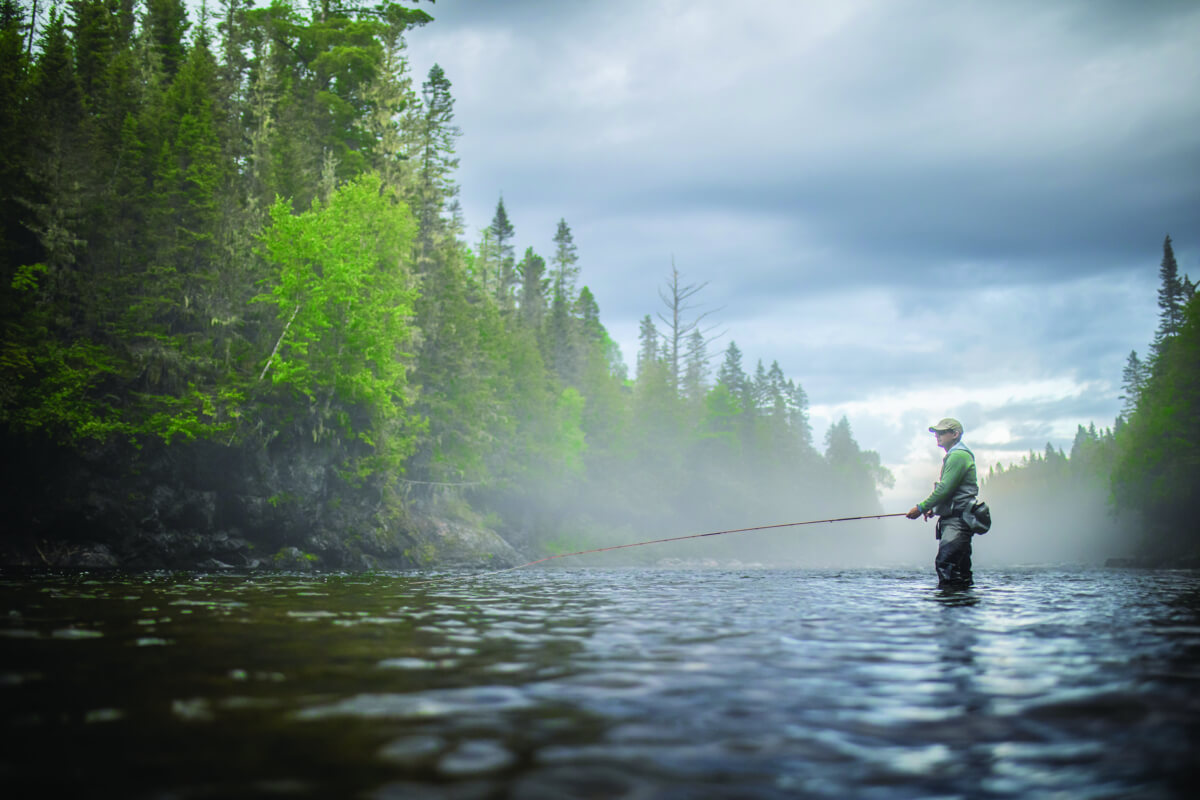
(1129,487)
(243,325)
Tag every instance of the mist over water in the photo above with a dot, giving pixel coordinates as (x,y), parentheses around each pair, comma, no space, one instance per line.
(1074,528)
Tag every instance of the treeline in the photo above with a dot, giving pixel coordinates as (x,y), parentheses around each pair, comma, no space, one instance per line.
(1144,471)
(240,237)
(1157,467)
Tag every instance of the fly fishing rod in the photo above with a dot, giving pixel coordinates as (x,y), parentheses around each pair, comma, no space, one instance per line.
(658,541)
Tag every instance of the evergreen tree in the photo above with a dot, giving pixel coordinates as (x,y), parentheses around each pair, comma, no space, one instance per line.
(564,265)
(648,345)
(587,311)
(16,242)
(695,370)
(760,389)
(732,377)
(532,270)
(167,23)
(562,343)
(94,32)
(1170,298)
(858,472)
(436,132)
(56,159)
(798,419)
(1133,378)
(190,174)
(501,231)
(1159,446)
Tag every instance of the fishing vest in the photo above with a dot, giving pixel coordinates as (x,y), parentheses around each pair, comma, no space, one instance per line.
(966,492)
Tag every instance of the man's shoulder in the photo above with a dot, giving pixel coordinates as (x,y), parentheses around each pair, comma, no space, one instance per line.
(960,452)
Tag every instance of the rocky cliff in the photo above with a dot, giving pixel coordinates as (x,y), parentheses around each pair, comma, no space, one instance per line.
(204,506)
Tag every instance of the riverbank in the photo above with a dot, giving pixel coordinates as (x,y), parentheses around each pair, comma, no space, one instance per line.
(203,506)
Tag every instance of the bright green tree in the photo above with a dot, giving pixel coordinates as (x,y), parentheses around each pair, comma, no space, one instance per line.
(343,297)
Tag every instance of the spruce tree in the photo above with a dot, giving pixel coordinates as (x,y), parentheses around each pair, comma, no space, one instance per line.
(562,342)
(16,241)
(695,368)
(167,23)
(564,265)
(94,32)
(1170,299)
(798,416)
(532,271)
(436,162)
(731,376)
(502,231)
(55,161)
(1133,379)
(648,345)
(587,312)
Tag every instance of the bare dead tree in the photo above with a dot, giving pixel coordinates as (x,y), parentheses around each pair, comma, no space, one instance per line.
(679,341)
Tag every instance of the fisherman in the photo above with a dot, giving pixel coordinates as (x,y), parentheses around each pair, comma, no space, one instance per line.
(954,493)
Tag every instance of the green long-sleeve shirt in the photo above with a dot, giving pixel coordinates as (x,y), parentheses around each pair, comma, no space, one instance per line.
(957,482)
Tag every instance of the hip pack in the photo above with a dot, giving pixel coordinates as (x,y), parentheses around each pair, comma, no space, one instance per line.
(978,517)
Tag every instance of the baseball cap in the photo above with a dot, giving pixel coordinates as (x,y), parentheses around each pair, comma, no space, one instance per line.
(948,424)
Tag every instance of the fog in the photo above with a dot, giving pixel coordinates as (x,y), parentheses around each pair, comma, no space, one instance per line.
(1063,523)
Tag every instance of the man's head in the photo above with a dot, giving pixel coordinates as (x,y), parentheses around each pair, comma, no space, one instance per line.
(948,432)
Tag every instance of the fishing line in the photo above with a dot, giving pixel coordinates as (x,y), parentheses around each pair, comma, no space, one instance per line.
(656,541)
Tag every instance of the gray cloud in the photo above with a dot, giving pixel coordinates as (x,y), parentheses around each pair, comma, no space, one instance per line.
(849,176)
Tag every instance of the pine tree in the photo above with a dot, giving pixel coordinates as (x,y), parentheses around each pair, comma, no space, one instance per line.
(648,345)
(55,162)
(695,369)
(760,389)
(798,417)
(564,265)
(587,311)
(94,32)
(392,118)
(501,231)
(1133,379)
(167,23)
(1170,299)
(17,245)
(486,264)
(532,270)
(190,174)
(562,342)
(858,472)
(732,377)
(435,158)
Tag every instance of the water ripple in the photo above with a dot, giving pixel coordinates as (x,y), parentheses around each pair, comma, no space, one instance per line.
(636,683)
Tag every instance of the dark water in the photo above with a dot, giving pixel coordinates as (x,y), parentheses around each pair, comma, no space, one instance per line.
(611,683)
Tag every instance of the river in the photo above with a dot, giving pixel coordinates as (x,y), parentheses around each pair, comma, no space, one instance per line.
(604,683)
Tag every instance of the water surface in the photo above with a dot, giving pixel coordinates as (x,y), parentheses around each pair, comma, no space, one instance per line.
(606,683)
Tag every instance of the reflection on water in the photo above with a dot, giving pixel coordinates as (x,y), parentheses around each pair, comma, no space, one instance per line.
(635,683)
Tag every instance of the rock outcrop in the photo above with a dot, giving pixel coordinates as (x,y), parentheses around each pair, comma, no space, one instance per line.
(204,506)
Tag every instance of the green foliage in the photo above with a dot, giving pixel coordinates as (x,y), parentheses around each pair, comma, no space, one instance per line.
(1148,464)
(255,241)
(1158,459)
(60,390)
(344,297)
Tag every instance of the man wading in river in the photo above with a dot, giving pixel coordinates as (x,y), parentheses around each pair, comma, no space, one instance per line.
(954,493)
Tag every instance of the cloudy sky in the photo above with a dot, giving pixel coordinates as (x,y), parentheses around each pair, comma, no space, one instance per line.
(919,209)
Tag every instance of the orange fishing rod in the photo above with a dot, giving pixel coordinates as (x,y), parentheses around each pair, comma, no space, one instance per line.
(658,541)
